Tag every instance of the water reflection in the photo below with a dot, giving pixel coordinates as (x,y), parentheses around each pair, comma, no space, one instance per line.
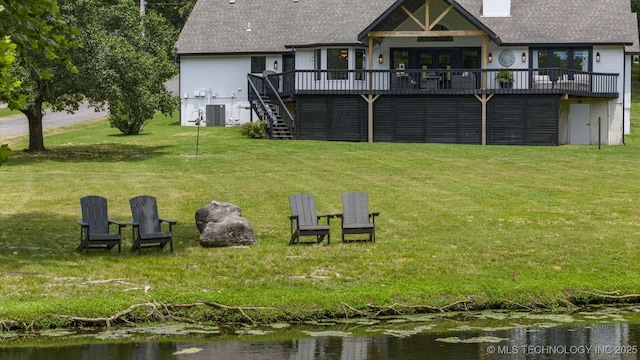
(544,341)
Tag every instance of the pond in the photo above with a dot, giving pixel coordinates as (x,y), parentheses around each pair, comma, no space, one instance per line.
(605,333)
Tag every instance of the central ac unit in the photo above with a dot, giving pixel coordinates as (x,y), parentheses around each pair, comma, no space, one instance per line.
(215,115)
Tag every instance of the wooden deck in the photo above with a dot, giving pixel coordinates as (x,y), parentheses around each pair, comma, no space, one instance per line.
(445,82)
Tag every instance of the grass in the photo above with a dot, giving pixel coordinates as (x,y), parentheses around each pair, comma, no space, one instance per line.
(479,227)
(8,113)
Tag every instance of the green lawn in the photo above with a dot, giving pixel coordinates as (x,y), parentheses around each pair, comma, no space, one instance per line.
(6,113)
(478,227)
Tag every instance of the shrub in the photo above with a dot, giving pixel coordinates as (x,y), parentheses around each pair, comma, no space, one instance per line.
(123,120)
(254,129)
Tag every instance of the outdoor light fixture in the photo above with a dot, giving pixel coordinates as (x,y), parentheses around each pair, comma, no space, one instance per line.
(597,57)
(380,59)
(490,57)
(275,65)
(524,57)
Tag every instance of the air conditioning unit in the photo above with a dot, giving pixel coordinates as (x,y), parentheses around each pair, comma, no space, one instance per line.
(215,115)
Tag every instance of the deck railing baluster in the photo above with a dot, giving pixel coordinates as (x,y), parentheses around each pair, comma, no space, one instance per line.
(449,82)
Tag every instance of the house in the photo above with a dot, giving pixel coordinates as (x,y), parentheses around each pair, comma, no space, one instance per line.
(541,72)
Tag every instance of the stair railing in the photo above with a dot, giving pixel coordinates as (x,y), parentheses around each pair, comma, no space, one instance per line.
(257,101)
(272,83)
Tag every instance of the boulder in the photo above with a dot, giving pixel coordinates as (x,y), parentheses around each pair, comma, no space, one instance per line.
(221,224)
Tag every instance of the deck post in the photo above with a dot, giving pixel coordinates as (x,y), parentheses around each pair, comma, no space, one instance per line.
(369,100)
(484,99)
(370,118)
(485,45)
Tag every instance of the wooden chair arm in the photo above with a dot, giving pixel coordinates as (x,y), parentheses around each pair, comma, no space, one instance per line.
(328,216)
(119,223)
(168,221)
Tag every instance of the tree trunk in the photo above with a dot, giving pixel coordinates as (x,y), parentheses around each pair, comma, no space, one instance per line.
(36,137)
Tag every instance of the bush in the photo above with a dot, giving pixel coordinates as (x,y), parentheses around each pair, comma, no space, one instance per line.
(254,129)
(123,120)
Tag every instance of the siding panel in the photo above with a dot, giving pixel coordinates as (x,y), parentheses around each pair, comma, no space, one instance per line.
(312,118)
(384,119)
(523,120)
(410,115)
(346,118)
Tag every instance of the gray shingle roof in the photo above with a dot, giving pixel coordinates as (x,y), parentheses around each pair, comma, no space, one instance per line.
(557,22)
(216,26)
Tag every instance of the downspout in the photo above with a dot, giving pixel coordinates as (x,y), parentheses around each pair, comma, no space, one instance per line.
(180,89)
(624,95)
(609,123)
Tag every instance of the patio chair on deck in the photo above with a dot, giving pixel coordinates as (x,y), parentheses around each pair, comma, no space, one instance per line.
(356,218)
(305,221)
(147,231)
(95,225)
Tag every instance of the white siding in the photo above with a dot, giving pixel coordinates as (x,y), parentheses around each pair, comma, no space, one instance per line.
(304,59)
(627,94)
(612,60)
(219,80)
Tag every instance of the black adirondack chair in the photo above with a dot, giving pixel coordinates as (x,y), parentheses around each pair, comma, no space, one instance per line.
(305,221)
(147,226)
(95,225)
(356,218)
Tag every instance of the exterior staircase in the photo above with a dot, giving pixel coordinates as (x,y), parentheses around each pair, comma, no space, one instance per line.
(276,126)
(269,106)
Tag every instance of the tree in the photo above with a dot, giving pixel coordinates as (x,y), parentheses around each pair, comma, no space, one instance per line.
(124,60)
(28,26)
(175,11)
(8,85)
(42,41)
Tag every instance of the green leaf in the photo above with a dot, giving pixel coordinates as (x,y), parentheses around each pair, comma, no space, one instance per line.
(5,152)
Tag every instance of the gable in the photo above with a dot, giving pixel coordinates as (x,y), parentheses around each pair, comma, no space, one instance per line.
(397,19)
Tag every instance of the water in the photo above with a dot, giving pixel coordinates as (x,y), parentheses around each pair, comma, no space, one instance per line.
(604,334)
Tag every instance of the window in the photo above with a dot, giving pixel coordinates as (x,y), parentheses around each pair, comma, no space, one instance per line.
(337,59)
(317,62)
(258,64)
(470,59)
(580,60)
(571,58)
(401,57)
(360,64)
(434,58)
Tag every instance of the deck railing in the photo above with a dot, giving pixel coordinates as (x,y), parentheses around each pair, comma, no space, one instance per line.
(447,81)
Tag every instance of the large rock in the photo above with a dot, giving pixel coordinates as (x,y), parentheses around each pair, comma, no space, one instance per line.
(215,212)
(221,224)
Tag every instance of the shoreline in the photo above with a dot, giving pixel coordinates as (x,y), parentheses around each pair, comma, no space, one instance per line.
(202,312)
